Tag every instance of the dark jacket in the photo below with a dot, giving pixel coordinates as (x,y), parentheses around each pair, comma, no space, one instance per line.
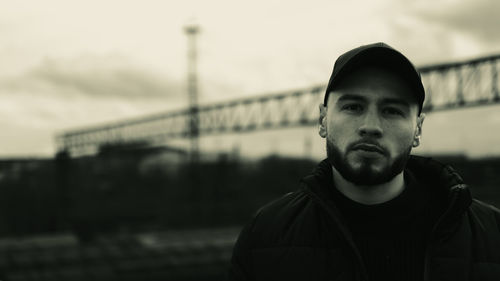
(301,236)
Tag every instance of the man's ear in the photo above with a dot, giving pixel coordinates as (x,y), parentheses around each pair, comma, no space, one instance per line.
(418,130)
(322,120)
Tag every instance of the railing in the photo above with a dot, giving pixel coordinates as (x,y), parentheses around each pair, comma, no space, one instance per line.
(448,86)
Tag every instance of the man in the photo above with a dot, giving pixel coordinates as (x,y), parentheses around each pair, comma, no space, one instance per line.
(370,211)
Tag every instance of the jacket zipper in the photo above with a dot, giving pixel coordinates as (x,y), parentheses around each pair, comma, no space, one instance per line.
(343,229)
(455,189)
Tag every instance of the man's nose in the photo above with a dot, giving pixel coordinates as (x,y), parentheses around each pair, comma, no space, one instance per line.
(371,125)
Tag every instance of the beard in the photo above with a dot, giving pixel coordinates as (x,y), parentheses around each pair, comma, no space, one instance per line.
(365,174)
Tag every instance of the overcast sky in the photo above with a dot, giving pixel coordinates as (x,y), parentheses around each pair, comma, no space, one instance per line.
(68,64)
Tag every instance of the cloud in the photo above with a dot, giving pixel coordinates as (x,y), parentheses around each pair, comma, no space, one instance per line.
(478,19)
(58,94)
(93,77)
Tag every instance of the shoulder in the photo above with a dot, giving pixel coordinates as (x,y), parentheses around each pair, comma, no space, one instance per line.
(485,230)
(485,208)
(281,205)
(280,221)
(280,209)
(486,214)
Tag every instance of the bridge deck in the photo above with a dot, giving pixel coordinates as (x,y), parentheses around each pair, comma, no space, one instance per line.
(448,86)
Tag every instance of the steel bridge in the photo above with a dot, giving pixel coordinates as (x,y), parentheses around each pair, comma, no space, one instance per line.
(448,86)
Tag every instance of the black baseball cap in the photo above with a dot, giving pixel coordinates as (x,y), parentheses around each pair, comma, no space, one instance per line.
(380,55)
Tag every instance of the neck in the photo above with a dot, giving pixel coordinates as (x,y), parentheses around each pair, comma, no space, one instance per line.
(369,194)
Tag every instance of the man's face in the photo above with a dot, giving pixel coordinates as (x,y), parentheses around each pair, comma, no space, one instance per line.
(370,124)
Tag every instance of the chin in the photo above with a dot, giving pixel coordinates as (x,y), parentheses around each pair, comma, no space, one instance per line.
(368,174)
(366,170)
(376,164)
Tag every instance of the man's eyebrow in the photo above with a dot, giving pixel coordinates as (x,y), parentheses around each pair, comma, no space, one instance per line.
(396,101)
(351,97)
(347,97)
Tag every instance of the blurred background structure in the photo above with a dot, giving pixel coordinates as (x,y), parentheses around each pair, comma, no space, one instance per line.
(449,86)
(114,166)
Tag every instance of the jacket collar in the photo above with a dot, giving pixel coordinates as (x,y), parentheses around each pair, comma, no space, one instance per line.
(444,182)
(450,188)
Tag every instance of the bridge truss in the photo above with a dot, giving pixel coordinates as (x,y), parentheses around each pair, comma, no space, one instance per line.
(448,86)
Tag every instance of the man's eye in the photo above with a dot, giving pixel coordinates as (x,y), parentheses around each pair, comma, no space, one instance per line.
(352,107)
(393,111)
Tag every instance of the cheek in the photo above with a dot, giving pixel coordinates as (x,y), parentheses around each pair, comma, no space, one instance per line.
(404,138)
(339,135)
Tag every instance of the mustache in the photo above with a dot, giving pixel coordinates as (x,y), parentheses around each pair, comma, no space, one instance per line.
(368,144)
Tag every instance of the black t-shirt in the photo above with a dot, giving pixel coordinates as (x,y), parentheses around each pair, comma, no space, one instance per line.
(391,236)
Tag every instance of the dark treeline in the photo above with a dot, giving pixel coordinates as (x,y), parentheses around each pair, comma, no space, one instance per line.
(125,191)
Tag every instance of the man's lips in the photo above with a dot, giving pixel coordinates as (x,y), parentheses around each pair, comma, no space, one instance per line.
(368,147)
